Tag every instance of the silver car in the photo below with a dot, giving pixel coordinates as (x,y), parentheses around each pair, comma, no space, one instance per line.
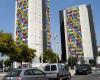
(25,74)
(57,71)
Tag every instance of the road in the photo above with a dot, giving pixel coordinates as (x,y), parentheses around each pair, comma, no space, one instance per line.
(95,75)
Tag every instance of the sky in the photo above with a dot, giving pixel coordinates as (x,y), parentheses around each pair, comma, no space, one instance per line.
(7,16)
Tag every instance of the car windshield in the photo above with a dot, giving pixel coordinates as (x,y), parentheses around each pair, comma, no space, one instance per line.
(83,66)
(14,73)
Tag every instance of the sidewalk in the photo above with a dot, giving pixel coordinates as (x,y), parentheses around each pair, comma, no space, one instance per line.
(2,75)
(72,71)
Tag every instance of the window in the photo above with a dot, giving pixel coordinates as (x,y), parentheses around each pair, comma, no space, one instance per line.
(37,72)
(28,72)
(33,72)
(47,68)
(53,68)
(14,73)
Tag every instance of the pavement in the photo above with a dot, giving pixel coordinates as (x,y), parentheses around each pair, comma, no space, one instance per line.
(72,71)
(2,75)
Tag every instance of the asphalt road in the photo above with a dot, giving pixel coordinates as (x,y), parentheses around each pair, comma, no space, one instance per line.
(95,75)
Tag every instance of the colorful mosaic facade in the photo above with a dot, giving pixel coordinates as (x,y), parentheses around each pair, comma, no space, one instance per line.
(22,22)
(74,32)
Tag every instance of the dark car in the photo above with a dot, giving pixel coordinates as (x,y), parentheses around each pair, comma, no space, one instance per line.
(25,74)
(83,69)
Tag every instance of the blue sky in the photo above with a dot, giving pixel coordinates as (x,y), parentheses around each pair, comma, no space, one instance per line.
(7,12)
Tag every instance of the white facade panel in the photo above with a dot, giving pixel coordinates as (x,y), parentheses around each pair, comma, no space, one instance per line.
(66,37)
(35,26)
(86,35)
(14,36)
(98,48)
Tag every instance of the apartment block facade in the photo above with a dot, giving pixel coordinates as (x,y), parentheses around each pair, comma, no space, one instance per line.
(32,25)
(77,33)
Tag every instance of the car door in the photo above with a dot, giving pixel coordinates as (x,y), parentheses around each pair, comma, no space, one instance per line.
(29,75)
(40,75)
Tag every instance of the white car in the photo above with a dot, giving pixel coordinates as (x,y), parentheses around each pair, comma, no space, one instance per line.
(57,71)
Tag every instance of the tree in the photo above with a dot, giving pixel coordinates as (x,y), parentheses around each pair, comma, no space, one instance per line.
(72,61)
(50,56)
(5,41)
(8,46)
(15,52)
(7,63)
(92,62)
(27,54)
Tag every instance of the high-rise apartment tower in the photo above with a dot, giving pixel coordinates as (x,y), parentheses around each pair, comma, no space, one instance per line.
(77,33)
(32,24)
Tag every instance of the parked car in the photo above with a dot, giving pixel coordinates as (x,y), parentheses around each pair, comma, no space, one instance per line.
(83,69)
(57,71)
(26,74)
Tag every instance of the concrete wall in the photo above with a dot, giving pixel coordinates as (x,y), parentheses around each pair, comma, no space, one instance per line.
(86,34)
(87,31)
(35,27)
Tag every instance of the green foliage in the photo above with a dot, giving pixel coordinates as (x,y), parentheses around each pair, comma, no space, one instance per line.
(66,67)
(7,63)
(5,42)
(50,56)
(92,62)
(72,61)
(15,52)
(27,54)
